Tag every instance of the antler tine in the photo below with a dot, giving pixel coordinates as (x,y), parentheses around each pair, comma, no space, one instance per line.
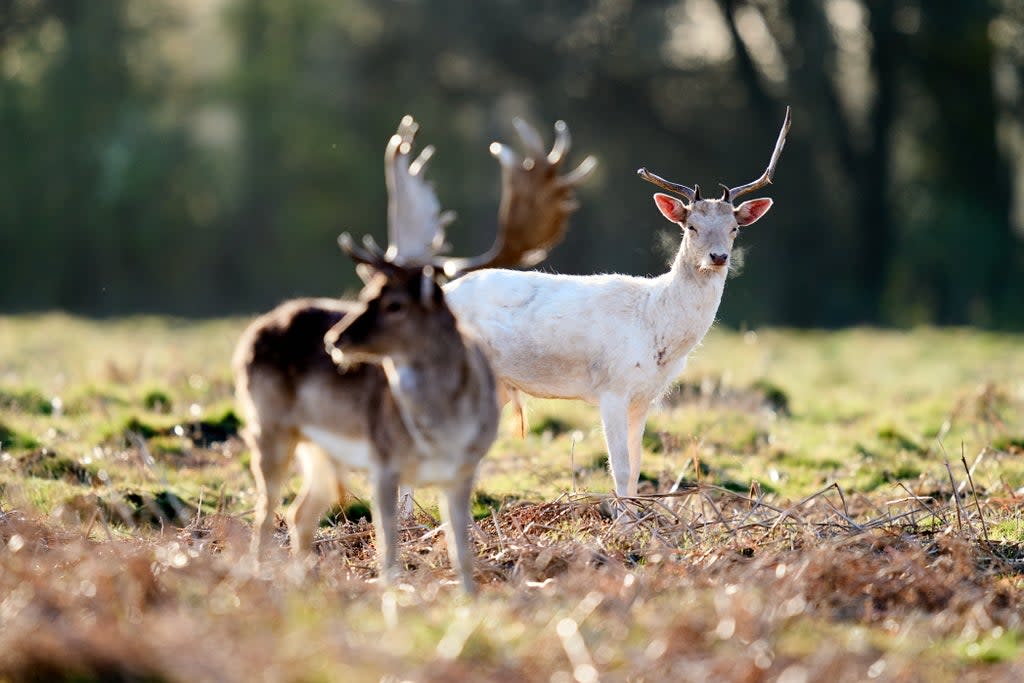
(415,221)
(374,248)
(766,177)
(676,188)
(530,137)
(418,166)
(536,202)
(357,253)
(563,141)
(580,173)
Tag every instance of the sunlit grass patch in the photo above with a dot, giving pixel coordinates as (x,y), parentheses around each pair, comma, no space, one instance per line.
(798,522)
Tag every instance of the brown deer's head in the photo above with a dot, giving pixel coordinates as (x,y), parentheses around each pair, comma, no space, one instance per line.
(402,303)
(399,307)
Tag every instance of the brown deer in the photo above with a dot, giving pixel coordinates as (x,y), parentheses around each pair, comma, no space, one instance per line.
(390,383)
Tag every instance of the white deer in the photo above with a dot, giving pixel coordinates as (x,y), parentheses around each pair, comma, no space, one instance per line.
(613,341)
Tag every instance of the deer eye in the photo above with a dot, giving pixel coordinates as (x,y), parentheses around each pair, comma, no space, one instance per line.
(393,307)
(691,229)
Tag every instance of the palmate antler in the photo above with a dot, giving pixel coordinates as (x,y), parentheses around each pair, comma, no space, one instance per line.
(536,202)
(533,216)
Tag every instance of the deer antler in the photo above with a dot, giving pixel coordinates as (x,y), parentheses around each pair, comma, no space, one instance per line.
(766,177)
(535,206)
(536,202)
(415,221)
(728,194)
(676,188)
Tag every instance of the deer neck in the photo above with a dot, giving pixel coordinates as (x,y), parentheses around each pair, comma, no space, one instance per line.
(429,389)
(686,301)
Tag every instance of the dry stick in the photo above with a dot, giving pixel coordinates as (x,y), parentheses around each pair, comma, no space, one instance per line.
(88,529)
(920,501)
(754,505)
(790,512)
(839,490)
(497,530)
(220,499)
(956,498)
(981,515)
(572,463)
(846,512)
(718,512)
(974,465)
(733,494)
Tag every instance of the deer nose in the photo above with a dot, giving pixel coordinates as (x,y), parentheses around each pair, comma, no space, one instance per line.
(718,259)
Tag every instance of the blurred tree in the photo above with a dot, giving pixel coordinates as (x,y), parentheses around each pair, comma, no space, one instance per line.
(200,157)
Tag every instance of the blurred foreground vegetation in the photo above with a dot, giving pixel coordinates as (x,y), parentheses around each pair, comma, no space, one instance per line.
(815,521)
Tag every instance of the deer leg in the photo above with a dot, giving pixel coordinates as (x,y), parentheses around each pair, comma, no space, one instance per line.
(385,521)
(319,490)
(616,435)
(637,424)
(455,513)
(271,455)
(507,394)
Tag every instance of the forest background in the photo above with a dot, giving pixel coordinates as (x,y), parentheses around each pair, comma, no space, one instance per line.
(199,157)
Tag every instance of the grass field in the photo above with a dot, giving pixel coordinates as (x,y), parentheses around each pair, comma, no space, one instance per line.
(807,516)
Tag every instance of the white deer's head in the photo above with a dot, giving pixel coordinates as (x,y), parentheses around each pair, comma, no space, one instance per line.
(710,226)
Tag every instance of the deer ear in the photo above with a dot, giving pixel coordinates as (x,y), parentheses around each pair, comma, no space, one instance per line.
(671,208)
(749,212)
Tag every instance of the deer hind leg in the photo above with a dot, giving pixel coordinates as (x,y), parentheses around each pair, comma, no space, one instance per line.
(271,455)
(616,435)
(320,489)
(507,394)
(455,513)
(385,521)
(637,424)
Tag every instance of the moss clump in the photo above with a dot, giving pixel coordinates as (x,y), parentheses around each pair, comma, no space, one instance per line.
(47,464)
(1009,444)
(155,510)
(10,439)
(893,437)
(25,400)
(214,429)
(555,425)
(774,397)
(484,503)
(157,401)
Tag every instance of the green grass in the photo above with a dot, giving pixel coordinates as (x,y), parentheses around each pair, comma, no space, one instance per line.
(120,464)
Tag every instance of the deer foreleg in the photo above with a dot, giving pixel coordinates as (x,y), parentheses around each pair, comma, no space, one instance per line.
(637,424)
(384,506)
(616,435)
(455,512)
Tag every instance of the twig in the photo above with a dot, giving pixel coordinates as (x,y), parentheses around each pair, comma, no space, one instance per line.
(956,497)
(984,526)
